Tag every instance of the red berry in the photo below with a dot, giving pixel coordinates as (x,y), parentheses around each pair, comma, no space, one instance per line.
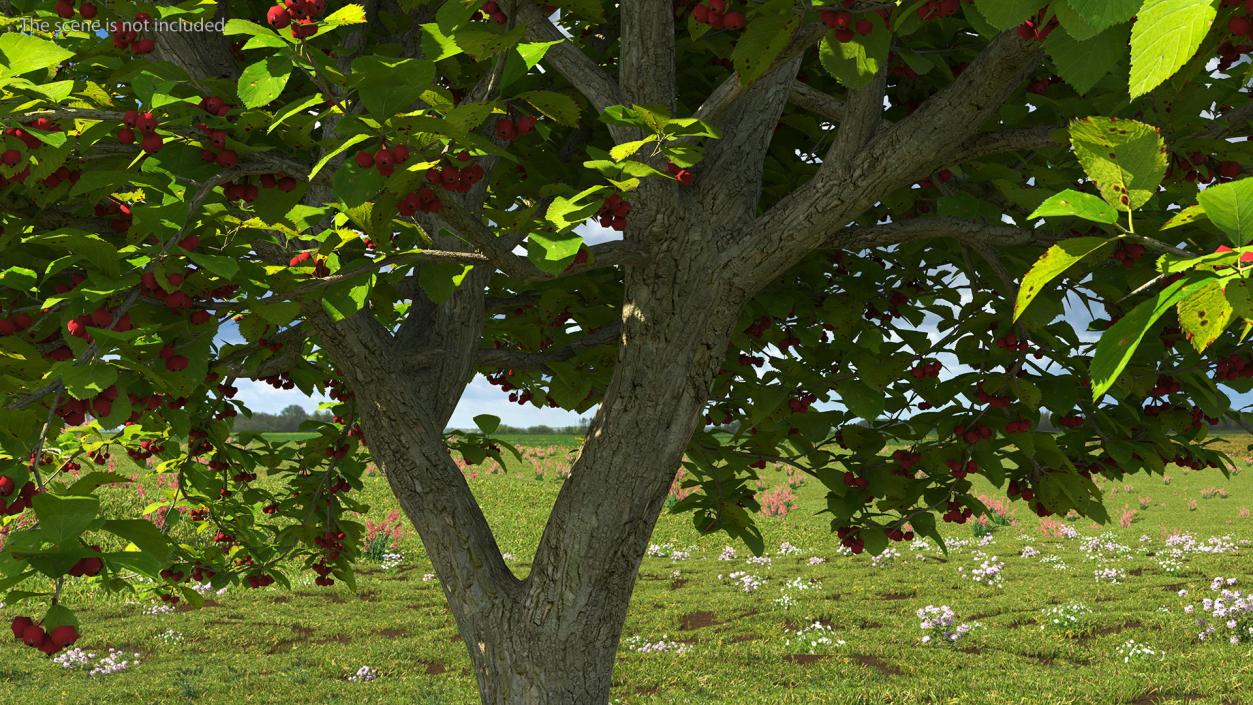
(365,160)
(278,17)
(152,143)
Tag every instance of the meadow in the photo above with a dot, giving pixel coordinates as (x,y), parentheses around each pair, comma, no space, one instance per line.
(1019,610)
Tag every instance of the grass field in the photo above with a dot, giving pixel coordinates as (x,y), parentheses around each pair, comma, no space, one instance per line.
(696,634)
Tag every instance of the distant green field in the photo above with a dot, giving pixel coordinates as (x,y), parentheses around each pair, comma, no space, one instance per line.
(718,643)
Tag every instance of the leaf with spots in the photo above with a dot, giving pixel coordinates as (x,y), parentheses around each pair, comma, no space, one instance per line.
(1056,260)
(1078,204)
(768,33)
(1205,315)
(1119,343)
(1125,159)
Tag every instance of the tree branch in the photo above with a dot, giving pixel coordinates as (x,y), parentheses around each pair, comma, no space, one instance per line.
(822,104)
(862,118)
(646,69)
(1023,140)
(970,232)
(521,360)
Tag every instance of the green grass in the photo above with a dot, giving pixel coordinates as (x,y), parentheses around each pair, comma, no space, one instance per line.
(271,646)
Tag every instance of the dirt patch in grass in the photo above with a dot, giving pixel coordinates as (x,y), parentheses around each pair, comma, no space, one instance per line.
(433,668)
(395,632)
(676,584)
(878,664)
(898,596)
(300,635)
(741,638)
(698,620)
(1113,629)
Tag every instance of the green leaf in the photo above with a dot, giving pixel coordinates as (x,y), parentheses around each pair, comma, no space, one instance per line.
(293,108)
(345,15)
(343,146)
(487,423)
(88,483)
(1166,35)
(533,52)
(87,380)
(876,539)
(559,107)
(251,29)
(861,399)
(1078,204)
(144,535)
(1240,295)
(225,267)
(1083,64)
(626,149)
(1084,19)
(1187,216)
(440,279)
(84,246)
(264,81)
(22,54)
(1055,261)
(346,298)
(1119,343)
(19,278)
(766,35)
(63,519)
(1125,159)
(553,253)
(484,43)
(1230,207)
(1204,315)
(566,213)
(389,86)
(855,63)
(1006,14)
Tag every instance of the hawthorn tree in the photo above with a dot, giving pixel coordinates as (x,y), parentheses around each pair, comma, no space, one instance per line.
(843,226)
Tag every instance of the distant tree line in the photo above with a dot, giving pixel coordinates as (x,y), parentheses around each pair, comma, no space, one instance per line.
(286,421)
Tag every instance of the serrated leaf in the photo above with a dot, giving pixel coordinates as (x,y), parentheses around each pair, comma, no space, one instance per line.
(87,380)
(487,423)
(21,53)
(1006,14)
(1230,207)
(766,35)
(558,107)
(1078,204)
(1166,35)
(1239,294)
(1119,343)
(1082,64)
(861,399)
(343,146)
(1204,315)
(855,63)
(626,149)
(1187,216)
(553,253)
(144,535)
(1096,15)
(1056,260)
(63,519)
(263,81)
(389,86)
(1125,159)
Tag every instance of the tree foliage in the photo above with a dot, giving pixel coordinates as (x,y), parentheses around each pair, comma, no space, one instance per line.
(921,216)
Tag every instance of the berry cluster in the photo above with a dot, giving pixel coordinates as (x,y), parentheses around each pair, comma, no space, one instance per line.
(1012,343)
(19,504)
(302,15)
(491,11)
(715,14)
(960,469)
(74,411)
(508,130)
(972,435)
(801,404)
(957,514)
(1234,366)
(65,9)
(384,159)
(927,369)
(320,269)
(850,539)
(1198,168)
(1019,426)
(456,179)
(26,631)
(995,401)
(613,213)
(939,9)
(125,35)
(846,26)
(1128,253)
(146,125)
(424,199)
(1071,421)
(214,105)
